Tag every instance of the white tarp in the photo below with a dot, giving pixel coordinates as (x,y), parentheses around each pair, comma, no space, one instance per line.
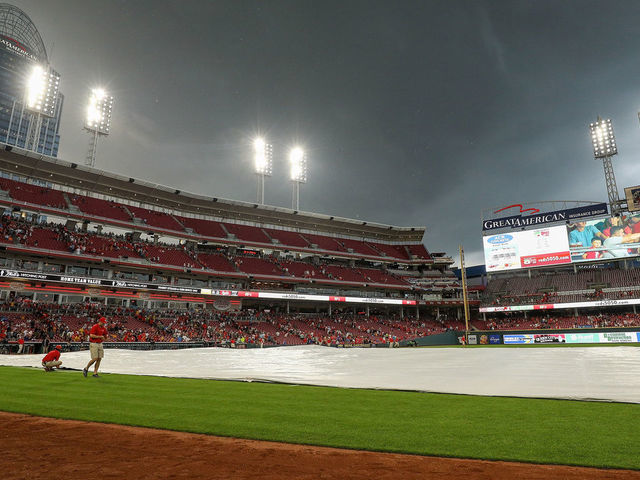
(580,373)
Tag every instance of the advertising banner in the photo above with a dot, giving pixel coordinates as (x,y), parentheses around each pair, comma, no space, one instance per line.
(530,248)
(632,195)
(579,241)
(549,338)
(526,221)
(582,337)
(618,337)
(494,339)
(517,339)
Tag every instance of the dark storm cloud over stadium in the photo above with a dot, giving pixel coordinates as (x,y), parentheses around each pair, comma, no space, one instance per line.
(413,113)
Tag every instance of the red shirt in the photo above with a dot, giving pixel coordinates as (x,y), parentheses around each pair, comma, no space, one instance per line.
(97,329)
(51,356)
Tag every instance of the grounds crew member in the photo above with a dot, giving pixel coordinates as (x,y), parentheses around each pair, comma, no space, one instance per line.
(97,334)
(52,359)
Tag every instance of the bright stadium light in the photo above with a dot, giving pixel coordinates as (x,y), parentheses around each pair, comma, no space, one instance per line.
(602,138)
(262,157)
(99,111)
(263,164)
(97,121)
(42,91)
(604,146)
(298,165)
(298,174)
(40,100)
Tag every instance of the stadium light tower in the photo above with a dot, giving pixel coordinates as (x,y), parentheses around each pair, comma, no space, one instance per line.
(40,100)
(298,174)
(263,164)
(98,121)
(604,147)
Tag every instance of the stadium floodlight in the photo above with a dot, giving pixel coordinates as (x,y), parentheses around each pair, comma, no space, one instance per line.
(42,91)
(603,139)
(40,100)
(604,146)
(97,121)
(262,157)
(298,174)
(298,165)
(262,163)
(99,112)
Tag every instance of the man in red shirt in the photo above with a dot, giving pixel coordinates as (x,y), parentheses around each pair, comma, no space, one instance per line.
(97,334)
(52,359)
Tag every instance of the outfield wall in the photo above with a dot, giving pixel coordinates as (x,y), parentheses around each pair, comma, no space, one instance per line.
(542,337)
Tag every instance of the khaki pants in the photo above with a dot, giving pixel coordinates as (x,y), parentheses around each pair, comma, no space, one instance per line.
(53,363)
(97,351)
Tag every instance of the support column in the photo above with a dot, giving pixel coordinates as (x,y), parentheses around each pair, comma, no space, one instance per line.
(329,308)
(287,307)
(367,310)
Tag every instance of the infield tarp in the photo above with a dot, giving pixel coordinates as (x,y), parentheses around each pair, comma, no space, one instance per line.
(576,373)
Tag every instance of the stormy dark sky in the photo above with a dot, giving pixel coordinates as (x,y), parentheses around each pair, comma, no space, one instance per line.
(418,113)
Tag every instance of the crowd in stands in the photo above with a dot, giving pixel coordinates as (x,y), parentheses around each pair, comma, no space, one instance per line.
(52,322)
(520,322)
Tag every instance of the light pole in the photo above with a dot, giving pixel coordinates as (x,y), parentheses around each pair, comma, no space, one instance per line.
(604,146)
(263,164)
(98,121)
(298,174)
(41,96)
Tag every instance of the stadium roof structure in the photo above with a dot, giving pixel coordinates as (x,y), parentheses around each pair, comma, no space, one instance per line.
(17,26)
(28,164)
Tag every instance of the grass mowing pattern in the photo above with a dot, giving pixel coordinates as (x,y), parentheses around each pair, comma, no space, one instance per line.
(530,430)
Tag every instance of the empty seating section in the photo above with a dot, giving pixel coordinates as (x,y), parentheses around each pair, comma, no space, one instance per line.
(100,208)
(109,247)
(215,261)
(169,256)
(286,237)
(156,219)
(582,286)
(247,233)
(24,192)
(343,274)
(377,276)
(208,228)
(35,194)
(302,270)
(419,251)
(258,266)
(47,239)
(358,247)
(394,251)
(324,243)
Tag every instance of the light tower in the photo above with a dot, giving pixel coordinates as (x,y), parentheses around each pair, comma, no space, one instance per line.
(298,174)
(41,95)
(604,147)
(263,164)
(98,121)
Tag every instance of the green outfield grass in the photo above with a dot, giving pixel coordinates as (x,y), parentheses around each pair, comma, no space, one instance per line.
(531,430)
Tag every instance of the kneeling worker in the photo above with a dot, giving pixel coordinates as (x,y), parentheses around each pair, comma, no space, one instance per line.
(52,359)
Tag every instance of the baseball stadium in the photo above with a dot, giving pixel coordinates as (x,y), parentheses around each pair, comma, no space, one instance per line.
(149,332)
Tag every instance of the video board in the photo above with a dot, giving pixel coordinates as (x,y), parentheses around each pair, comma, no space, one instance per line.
(605,238)
(530,248)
